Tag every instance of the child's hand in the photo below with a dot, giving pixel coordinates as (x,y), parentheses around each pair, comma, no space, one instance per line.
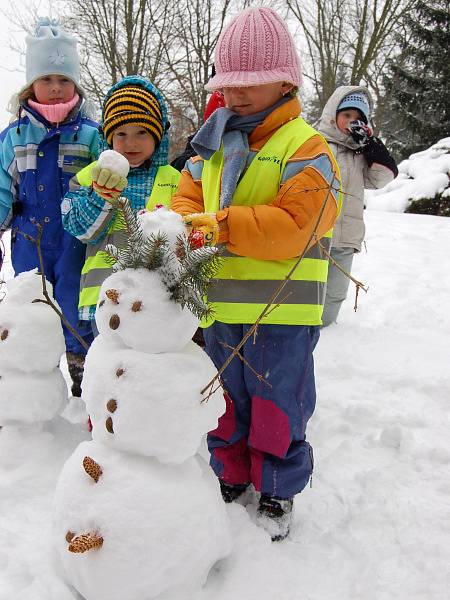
(360,132)
(203,229)
(106,184)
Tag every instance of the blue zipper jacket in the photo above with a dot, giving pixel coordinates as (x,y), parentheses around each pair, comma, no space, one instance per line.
(37,160)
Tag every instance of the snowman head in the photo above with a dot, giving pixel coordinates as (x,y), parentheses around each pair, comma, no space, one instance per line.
(155,298)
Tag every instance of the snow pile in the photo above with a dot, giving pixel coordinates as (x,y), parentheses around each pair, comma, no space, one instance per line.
(137,513)
(424,175)
(32,387)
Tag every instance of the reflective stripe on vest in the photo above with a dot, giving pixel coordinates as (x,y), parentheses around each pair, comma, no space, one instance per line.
(98,264)
(244,285)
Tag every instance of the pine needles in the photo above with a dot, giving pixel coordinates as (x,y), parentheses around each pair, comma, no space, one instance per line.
(186,273)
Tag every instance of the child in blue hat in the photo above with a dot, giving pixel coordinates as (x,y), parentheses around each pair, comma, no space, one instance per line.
(364,162)
(49,140)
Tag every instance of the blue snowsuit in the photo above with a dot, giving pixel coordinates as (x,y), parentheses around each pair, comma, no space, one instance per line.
(37,160)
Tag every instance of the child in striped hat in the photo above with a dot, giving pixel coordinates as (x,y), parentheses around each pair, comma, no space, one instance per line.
(135,124)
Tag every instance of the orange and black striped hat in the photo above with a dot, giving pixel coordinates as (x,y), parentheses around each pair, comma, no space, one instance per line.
(132,105)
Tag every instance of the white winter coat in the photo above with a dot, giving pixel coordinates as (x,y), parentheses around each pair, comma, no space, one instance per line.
(355,173)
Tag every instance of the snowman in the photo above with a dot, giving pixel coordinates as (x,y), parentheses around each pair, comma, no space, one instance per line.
(32,387)
(137,512)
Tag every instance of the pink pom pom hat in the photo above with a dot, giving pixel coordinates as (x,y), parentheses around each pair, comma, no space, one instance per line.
(254,49)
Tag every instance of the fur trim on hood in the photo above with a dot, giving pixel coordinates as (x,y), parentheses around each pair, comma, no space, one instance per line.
(327,123)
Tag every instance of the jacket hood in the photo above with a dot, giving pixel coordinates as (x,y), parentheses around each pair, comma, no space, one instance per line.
(327,124)
(161,154)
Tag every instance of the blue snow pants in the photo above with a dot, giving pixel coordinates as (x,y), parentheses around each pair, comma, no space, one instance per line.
(261,437)
(64,258)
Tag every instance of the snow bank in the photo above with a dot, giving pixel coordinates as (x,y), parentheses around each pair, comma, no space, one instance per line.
(422,176)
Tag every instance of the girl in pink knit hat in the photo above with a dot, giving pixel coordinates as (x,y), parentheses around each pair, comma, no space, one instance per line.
(262,183)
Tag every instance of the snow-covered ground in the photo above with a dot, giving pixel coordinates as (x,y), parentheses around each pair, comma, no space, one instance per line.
(376,523)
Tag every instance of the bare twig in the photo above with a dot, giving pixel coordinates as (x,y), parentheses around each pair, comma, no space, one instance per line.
(359,285)
(247,364)
(274,297)
(48,300)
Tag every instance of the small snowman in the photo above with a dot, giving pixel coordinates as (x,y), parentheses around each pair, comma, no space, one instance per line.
(32,387)
(137,513)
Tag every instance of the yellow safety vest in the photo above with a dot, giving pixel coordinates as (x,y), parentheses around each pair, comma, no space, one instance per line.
(97,267)
(244,285)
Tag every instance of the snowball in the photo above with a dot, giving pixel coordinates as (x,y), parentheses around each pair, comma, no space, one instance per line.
(135,308)
(27,327)
(31,397)
(163,527)
(153,401)
(114,162)
(164,221)
(26,287)
(25,331)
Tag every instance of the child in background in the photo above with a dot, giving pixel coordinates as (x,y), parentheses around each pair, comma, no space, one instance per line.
(135,124)
(49,141)
(364,162)
(258,186)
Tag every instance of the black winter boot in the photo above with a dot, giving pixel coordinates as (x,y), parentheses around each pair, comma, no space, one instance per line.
(274,515)
(75,363)
(230,493)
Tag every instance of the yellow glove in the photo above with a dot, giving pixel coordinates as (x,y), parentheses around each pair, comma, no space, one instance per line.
(203,229)
(106,184)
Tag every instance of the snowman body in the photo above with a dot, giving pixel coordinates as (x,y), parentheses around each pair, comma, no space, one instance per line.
(137,512)
(32,387)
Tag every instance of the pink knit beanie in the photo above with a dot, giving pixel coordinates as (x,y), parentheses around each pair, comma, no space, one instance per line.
(254,49)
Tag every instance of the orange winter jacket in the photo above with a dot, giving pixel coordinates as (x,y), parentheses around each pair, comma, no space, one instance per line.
(278,230)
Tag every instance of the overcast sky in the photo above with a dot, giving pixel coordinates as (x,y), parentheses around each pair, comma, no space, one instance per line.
(12,66)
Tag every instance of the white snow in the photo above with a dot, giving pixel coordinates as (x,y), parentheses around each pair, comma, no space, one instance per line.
(159,410)
(32,387)
(114,162)
(124,320)
(424,175)
(162,526)
(376,523)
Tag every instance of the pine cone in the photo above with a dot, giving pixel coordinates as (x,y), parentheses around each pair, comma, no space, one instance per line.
(85,542)
(137,305)
(113,295)
(4,335)
(92,468)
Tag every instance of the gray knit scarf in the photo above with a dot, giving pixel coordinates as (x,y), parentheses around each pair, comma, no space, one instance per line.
(228,127)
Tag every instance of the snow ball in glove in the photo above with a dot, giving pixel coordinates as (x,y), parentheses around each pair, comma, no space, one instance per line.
(114,162)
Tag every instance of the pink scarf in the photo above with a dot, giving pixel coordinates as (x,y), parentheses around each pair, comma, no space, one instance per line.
(54,113)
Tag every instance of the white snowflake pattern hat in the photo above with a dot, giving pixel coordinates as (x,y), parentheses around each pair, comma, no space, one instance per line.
(51,51)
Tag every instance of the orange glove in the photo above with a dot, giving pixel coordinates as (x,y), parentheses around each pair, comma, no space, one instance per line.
(203,229)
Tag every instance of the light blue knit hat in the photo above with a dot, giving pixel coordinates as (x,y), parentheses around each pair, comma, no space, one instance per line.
(356,100)
(51,51)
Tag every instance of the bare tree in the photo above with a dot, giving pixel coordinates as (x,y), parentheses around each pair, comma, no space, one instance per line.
(322,24)
(197,27)
(119,38)
(347,41)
